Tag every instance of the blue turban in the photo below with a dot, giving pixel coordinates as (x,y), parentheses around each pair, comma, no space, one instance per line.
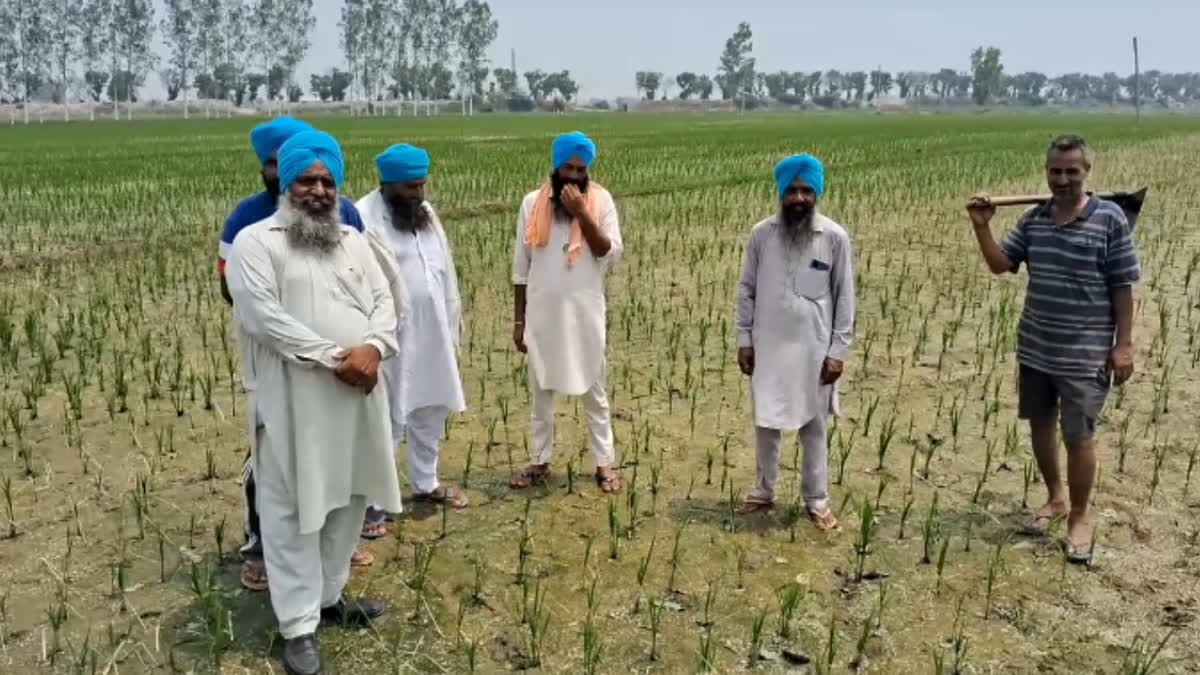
(402,163)
(304,149)
(269,136)
(569,145)
(805,167)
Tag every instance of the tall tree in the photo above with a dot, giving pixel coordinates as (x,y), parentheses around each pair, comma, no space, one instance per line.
(10,53)
(704,87)
(535,79)
(179,31)
(94,47)
(354,17)
(478,31)
(881,83)
(32,42)
(506,81)
(648,82)
(208,18)
(297,23)
(687,85)
(236,51)
(736,71)
(132,27)
(65,30)
(987,74)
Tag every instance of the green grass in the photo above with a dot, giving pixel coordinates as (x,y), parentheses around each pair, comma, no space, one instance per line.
(113,336)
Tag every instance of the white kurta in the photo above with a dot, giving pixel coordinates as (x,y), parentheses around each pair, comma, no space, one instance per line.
(795,307)
(294,310)
(425,373)
(565,312)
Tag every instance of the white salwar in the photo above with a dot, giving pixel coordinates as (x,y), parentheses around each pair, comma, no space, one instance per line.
(565,324)
(424,382)
(795,307)
(320,446)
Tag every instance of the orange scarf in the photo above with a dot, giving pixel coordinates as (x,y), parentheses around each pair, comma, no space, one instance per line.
(537,229)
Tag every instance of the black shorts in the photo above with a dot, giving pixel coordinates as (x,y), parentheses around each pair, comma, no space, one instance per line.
(1077,401)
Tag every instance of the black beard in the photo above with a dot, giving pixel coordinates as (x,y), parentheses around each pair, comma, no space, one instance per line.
(271,185)
(557,183)
(408,214)
(796,217)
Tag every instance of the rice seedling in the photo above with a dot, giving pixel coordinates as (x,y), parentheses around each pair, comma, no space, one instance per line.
(118,359)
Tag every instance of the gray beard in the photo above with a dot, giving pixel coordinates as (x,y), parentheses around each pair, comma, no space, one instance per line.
(797,232)
(315,232)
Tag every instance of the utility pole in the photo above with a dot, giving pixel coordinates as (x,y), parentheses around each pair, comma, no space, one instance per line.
(1137,84)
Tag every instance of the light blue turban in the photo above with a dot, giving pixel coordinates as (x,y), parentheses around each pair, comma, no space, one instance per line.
(401,163)
(303,150)
(569,145)
(805,167)
(269,136)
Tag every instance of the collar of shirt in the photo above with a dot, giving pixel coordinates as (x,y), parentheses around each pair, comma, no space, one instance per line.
(1046,210)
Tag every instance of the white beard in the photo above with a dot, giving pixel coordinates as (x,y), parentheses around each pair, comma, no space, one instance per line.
(320,232)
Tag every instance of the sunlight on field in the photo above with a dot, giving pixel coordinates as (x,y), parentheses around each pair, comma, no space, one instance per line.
(123,430)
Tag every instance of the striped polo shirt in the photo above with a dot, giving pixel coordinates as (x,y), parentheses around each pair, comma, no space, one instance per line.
(1068,325)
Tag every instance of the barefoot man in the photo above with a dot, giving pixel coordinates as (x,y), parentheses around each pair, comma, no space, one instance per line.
(424,385)
(795,320)
(567,239)
(266,139)
(1076,332)
(314,318)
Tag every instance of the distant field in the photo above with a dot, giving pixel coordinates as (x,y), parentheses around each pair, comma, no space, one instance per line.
(121,415)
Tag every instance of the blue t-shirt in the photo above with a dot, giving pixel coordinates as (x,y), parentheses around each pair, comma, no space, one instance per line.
(260,207)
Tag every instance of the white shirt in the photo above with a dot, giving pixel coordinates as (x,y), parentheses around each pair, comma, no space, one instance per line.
(293,310)
(425,372)
(795,306)
(565,312)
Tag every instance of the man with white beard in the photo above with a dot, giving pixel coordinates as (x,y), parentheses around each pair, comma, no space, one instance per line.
(315,318)
(423,381)
(795,319)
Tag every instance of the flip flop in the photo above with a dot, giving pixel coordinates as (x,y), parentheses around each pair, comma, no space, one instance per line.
(254,575)
(610,483)
(1078,555)
(441,495)
(824,520)
(532,475)
(750,506)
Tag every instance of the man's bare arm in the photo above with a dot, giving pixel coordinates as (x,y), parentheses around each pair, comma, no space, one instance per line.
(1122,300)
(597,241)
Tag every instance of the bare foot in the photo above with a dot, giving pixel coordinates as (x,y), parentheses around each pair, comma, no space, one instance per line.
(1037,523)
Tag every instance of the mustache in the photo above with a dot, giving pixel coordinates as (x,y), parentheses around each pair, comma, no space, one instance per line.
(795,216)
(408,212)
(557,183)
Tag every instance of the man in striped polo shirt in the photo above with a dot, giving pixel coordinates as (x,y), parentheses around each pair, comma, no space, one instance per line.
(1076,332)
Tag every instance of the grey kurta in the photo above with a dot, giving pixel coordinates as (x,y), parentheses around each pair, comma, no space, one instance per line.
(294,309)
(795,307)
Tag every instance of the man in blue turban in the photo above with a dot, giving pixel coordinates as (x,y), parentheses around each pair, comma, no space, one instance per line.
(793,345)
(567,238)
(423,381)
(314,317)
(266,139)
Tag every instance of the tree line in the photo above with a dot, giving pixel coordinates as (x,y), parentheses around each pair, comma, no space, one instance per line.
(249,51)
(985,82)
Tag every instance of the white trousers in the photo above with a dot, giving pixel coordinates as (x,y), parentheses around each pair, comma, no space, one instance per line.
(305,572)
(815,473)
(423,433)
(599,422)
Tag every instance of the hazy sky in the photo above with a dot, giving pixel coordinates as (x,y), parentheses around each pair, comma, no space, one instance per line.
(671,36)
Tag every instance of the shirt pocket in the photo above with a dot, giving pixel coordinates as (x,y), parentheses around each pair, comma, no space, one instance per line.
(812,280)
